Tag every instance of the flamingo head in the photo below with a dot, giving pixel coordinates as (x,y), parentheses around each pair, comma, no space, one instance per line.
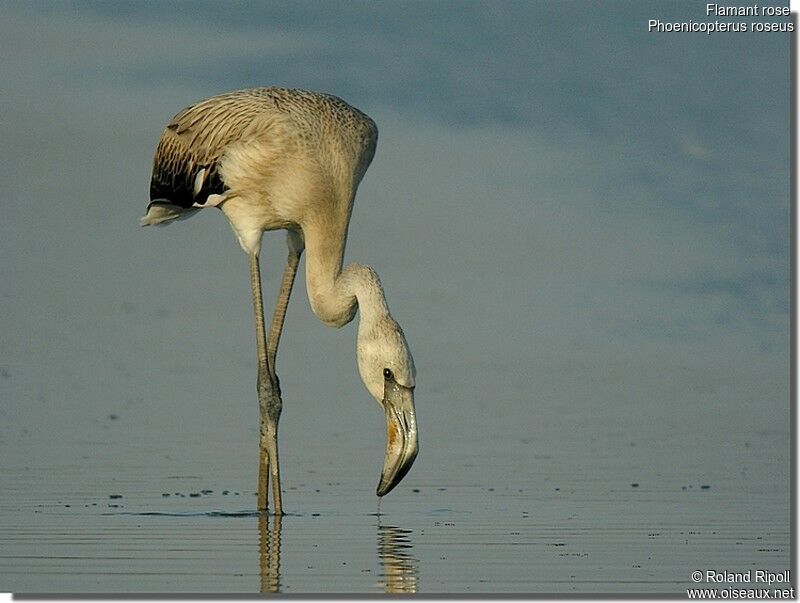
(387,370)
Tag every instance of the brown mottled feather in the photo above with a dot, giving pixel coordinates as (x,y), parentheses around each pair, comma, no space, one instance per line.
(197,137)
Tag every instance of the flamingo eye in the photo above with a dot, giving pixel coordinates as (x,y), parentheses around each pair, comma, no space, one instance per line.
(387,374)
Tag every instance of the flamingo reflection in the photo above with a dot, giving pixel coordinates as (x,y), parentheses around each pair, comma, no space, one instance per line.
(269,547)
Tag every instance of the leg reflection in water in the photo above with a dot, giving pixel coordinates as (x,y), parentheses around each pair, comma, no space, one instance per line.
(398,566)
(269,547)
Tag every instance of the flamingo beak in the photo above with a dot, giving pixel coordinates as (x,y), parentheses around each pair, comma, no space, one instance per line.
(401,435)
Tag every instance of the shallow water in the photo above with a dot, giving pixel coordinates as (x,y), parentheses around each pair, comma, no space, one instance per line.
(579,224)
(423,552)
(531,509)
(131,465)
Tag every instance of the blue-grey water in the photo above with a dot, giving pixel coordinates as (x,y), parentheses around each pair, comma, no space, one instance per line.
(581,226)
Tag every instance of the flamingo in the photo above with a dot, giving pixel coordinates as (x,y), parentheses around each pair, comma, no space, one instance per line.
(277,158)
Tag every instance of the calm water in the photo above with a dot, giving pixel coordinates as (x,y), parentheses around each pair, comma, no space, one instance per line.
(570,500)
(580,225)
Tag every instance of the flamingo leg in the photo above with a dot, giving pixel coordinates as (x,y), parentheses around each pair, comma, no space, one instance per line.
(270,404)
(294,240)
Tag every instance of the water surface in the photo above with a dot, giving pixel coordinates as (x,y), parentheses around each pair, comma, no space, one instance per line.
(580,225)
(556,506)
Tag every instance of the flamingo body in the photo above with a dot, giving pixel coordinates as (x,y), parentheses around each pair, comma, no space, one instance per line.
(276,158)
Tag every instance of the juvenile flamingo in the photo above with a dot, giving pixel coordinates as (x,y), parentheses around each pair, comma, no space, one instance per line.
(275,158)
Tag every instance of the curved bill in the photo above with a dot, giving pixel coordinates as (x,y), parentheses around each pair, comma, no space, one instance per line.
(401,435)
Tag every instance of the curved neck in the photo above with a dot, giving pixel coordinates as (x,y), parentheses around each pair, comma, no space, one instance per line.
(335,294)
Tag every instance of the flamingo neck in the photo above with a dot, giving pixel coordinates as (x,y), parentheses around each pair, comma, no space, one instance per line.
(336,294)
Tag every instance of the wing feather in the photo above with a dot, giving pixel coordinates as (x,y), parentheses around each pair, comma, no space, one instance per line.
(195,140)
